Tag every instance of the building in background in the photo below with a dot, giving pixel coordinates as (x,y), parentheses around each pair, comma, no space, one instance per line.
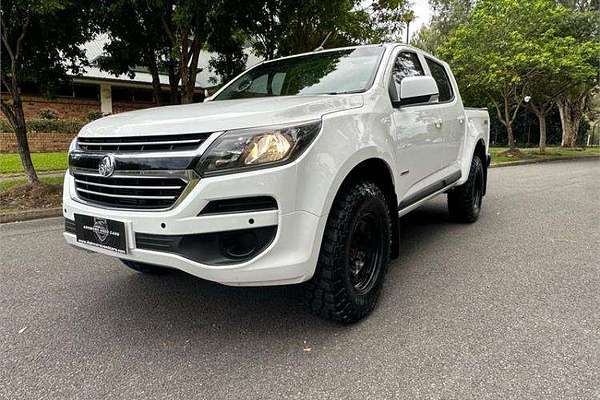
(97,91)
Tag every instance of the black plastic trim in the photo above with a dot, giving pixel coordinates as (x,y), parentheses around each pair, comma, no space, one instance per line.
(239,205)
(418,100)
(429,190)
(209,248)
(70,226)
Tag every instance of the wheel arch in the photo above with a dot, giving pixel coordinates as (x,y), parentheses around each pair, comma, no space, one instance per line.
(480,152)
(378,171)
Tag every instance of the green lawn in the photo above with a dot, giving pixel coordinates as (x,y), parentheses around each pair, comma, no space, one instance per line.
(6,184)
(551,153)
(11,163)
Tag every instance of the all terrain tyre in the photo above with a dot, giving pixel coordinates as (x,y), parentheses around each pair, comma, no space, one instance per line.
(354,255)
(464,201)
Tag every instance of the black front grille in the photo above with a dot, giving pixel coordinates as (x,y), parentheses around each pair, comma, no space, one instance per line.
(143,143)
(134,192)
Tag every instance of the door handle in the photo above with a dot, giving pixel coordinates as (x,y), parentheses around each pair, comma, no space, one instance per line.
(461,120)
(438,123)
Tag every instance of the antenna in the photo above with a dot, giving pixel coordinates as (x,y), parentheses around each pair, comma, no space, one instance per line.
(323,43)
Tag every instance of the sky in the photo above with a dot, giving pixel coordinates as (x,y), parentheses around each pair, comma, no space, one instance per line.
(422,12)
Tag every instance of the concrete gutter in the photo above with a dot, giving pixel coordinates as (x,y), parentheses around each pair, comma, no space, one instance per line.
(542,160)
(27,215)
(40,174)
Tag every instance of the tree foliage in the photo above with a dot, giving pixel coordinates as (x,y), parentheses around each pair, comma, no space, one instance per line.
(136,35)
(508,49)
(447,16)
(283,27)
(41,41)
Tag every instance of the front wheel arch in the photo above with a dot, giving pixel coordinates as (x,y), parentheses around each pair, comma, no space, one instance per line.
(378,171)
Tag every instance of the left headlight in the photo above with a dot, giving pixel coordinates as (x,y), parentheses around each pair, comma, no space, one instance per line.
(244,149)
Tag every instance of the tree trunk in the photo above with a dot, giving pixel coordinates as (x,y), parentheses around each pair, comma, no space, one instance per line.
(15,115)
(189,72)
(542,122)
(184,69)
(508,123)
(511,136)
(153,68)
(571,111)
(173,84)
(185,77)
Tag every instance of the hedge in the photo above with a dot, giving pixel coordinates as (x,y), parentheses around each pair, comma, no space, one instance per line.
(47,125)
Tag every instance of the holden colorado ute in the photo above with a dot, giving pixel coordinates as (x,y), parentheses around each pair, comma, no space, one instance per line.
(296,171)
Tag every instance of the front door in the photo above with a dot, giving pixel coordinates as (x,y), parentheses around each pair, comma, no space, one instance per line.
(420,148)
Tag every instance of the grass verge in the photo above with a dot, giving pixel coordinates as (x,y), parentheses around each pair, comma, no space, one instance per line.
(10,163)
(17,195)
(501,155)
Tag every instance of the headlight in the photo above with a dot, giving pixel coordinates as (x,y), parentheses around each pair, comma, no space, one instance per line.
(73,146)
(245,149)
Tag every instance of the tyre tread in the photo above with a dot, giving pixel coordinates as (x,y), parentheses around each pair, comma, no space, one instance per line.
(460,201)
(326,295)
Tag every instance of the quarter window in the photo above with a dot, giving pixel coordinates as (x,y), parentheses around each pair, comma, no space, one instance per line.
(438,72)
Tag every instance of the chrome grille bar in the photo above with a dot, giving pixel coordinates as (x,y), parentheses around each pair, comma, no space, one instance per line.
(127,196)
(85,143)
(128,187)
(149,143)
(133,190)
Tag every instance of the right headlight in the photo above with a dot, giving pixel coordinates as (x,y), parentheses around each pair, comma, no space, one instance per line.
(244,149)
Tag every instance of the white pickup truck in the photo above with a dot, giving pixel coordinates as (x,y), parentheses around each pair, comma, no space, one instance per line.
(296,171)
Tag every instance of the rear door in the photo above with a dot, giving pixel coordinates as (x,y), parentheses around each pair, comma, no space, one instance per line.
(450,122)
(419,148)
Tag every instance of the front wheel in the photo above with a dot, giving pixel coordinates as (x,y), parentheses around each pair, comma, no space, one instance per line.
(464,201)
(354,255)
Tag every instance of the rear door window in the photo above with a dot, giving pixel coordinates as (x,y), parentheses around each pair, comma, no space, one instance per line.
(438,72)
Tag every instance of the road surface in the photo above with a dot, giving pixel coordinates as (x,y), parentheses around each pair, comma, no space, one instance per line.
(506,308)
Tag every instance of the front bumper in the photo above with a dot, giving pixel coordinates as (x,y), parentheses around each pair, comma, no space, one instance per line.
(289,258)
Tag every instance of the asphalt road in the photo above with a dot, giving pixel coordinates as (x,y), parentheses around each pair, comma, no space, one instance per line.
(506,308)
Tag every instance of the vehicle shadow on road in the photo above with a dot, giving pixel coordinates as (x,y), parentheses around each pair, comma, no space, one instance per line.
(180,305)
(420,227)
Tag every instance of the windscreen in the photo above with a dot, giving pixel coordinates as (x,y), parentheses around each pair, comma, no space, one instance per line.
(330,72)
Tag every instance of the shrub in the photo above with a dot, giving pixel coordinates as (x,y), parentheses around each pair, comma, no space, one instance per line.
(71,126)
(93,115)
(5,126)
(48,114)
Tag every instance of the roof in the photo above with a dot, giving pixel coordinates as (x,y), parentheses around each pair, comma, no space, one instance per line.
(204,78)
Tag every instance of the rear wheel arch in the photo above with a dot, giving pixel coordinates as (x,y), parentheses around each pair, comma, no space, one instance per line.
(481,153)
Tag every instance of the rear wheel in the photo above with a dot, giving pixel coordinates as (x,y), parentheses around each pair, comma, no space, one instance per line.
(464,201)
(146,268)
(354,255)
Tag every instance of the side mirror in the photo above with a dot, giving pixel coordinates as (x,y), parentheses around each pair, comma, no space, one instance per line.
(414,90)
